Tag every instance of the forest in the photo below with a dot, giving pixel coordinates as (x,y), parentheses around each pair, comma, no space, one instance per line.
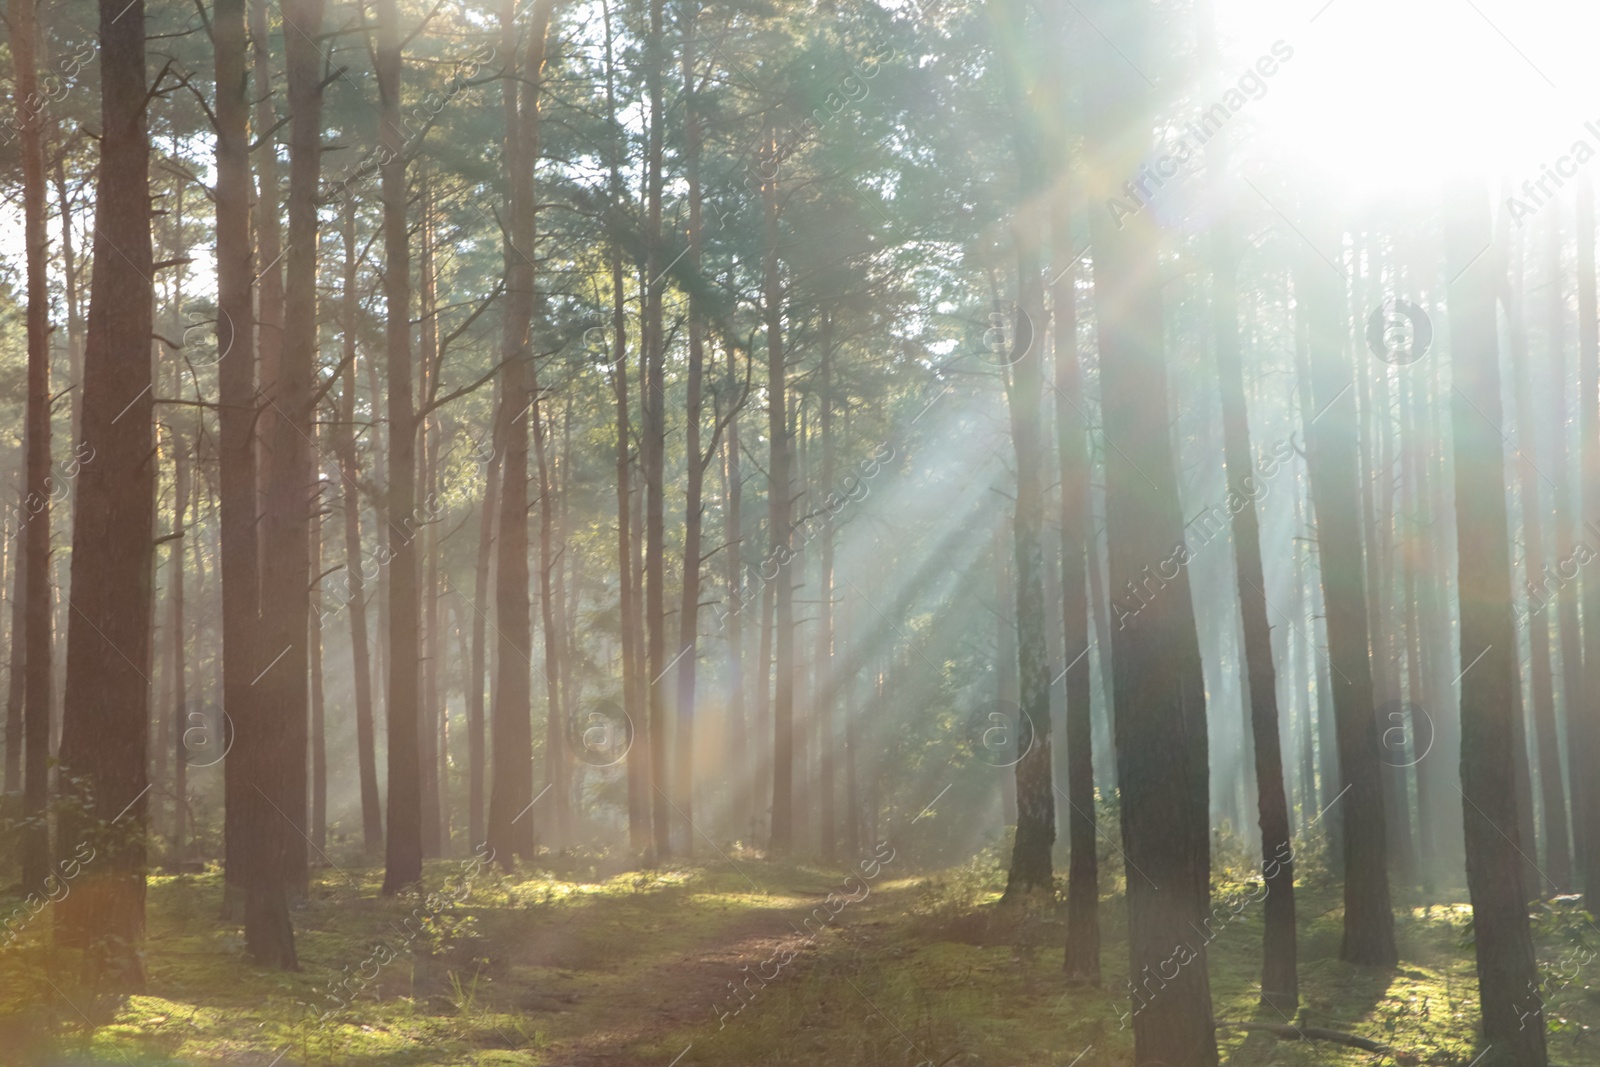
(1034,532)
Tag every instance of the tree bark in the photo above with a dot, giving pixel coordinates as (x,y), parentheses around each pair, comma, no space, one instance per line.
(25,38)
(355,580)
(778,522)
(1159,691)
(403,851)
(1552,792)
(1082,962)
(107,705)
(1502,942)
(1280,983)
(236,449)
(1332,461)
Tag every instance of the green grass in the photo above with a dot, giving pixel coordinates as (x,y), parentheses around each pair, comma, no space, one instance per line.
(538,969)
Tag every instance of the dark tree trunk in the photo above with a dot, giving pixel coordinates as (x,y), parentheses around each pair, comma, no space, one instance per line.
(107,706)
(1506,969)
(1159,691)
(511,792)
(236,448)
(17,668)
(277,738)
(1333,461)
(25,38)
(403,851)
(1036,811)
(319,737)
(269,263)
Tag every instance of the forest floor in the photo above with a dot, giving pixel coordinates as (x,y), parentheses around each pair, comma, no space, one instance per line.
(640,968)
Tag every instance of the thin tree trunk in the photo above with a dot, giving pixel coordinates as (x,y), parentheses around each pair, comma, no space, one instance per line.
(180,682)
(355,583)
(18,663)
(487,518)
(1552,794)
(35,559)
(778,523)
(653,403)
(1082,961)
(1501,938)
(107,700)
(1586,724)
(1333,463)
(1280,983)
(319,737)
(693,509)
(269,311)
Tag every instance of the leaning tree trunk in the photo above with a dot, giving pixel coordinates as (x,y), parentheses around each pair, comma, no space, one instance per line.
(1513,1018)
(104,733)
(1159,691)
(25,37)
(1332,462)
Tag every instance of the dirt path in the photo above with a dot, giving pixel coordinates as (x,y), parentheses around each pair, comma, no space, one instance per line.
(645,1006)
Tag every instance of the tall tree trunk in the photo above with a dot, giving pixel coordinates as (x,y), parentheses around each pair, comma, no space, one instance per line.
(355,581)
(511,793)
(107,706)
(555,757)
(693,509)
(652,401)
(278,738)
(487,517)
(428,646)
(1552,793)
(1280,983)
(180,682)
(236,448)
(1571,637)
(1504,947)
(778,523)
(1333,463)
(827,683)
(1586,723)
(1082,962)
(1036,812)
(1159,690)
(25,38)
(403,852)
(319,736)
(269,265)
(17,664)
(737,753)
